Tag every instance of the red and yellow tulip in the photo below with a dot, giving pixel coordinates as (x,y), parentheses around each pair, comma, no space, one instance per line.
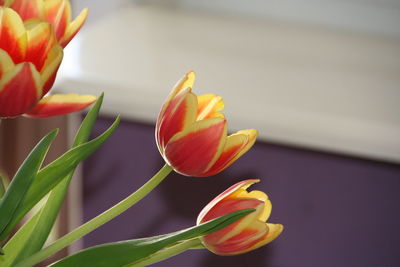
(29,59)
(191,133)
(246,234)
(56,12)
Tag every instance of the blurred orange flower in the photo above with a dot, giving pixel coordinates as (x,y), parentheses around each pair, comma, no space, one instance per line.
(29,59)
(56,12)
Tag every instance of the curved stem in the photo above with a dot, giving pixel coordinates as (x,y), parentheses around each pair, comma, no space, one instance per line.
(98,220)
(168,252)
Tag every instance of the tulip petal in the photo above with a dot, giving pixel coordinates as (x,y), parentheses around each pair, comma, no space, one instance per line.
(244,223)
(234,229)
(192,151)
(242,193)
(274,230)
(208,105)
(6,63)
(74,27)
(6,3)
(257,235)
(186,81)
(248,239)
(40,40)
(12,34)
(58,13)
(55,105)
(236,145)
(28,9)
(180,113)
(50,67)
(231,190)
(20,88)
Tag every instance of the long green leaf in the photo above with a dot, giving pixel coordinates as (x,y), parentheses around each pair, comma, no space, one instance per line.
(2,185)
(22,181)
(85,130)
(48,177)
(50,210)
(15,244)
(119,254)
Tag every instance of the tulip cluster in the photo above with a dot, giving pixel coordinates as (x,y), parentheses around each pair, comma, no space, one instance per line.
(32,36)
(191,135)
(191,132)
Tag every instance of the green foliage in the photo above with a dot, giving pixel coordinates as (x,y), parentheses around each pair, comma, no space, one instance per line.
(16,243)
(17,191)
(122,253)
(48,214)
(48,177)
(2,185)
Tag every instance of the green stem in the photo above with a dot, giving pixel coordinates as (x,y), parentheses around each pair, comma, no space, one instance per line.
(3,187)
(99,220)
(168,252)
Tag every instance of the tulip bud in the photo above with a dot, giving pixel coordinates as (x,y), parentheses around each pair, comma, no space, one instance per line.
(246,234)
(191,132)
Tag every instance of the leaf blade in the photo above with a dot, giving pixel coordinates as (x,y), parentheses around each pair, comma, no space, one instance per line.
(119,254)
(23,179)
(48,215)
(53,173)
(14,245)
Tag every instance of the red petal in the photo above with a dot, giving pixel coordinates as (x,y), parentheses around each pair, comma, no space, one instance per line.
(19,90)
(41,40)
(185,82)
(226,206)
(231,190)
(55,105)
(58,13)
(12,34)
(180,112)
(236,145)
(192,151)
(28,9)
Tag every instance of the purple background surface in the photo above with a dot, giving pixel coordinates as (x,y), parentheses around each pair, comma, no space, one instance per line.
(337,210)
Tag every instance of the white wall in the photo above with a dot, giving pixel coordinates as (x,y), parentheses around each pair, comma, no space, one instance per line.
(301,84)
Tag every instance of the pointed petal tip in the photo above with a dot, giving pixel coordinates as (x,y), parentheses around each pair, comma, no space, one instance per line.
(55,105)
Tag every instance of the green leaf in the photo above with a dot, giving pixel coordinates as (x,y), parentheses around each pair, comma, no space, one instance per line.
(50,210)
(2,185)
(15,244)
(48,177)
(87,124)
(23,179)
(127,252)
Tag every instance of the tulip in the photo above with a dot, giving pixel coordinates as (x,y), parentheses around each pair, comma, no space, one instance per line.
(246,234)
(56,12)
(191,133)
(29,60)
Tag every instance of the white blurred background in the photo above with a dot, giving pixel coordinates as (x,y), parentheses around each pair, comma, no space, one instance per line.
(319,74)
